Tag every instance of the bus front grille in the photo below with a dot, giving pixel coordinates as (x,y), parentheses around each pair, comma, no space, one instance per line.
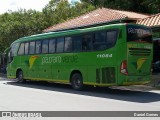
(139,51)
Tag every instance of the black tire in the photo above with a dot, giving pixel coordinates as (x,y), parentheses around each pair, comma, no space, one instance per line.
(20,78)
(77,81)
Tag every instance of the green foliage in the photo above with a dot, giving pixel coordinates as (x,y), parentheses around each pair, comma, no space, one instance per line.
(57,12)
(153,6)
(142,6)
(19,24)
(14,25)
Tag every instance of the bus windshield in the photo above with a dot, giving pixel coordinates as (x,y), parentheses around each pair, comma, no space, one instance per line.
(138,34)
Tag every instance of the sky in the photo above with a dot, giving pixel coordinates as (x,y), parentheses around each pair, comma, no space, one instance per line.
(13,5)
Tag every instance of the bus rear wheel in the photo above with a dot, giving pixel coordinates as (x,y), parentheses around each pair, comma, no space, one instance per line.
(77,81)
(20,78)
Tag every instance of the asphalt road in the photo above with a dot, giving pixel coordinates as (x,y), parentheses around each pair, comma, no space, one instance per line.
(42,96)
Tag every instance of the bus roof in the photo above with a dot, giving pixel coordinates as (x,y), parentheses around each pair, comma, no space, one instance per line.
(68,32)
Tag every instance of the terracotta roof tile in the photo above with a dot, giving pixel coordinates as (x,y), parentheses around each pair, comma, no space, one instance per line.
(130,14)
(97,16)
(151,21)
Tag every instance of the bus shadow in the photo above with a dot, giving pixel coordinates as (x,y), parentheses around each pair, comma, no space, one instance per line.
(110,93)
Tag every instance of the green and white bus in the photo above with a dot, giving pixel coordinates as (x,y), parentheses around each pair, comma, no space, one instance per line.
(107,55)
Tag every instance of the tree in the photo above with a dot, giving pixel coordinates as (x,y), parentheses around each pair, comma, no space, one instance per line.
(58,12)
(142,6)
(27,22)
(152,5)
(19,24)
(15,25)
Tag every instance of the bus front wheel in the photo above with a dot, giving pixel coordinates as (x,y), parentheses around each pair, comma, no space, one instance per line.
(20,78)
(77,81)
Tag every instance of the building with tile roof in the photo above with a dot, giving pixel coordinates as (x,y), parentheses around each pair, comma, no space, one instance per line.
(151,21)
(96,17)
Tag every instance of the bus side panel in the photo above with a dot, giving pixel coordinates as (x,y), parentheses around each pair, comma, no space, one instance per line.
(91,75)
(121,57)
(13,66)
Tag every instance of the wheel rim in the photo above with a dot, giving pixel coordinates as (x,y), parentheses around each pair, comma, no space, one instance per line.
(20,76)
(77,82)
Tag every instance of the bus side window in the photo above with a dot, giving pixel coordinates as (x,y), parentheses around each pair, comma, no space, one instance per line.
(52,46)
(10,56)
(38,47)
(45,46)
(60,45)
(68,44)
(32,47)
(87,42)
(111,38)
(100,40)
(21,49)
(26,48)
(77,43)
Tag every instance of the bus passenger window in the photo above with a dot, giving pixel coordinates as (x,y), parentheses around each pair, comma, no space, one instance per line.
(52,47)
(111,38)
(26,48)
(77,43)
(68,44)
(45,46)
(32,47)
(100,40)
(13,52)
(87,42)
(60,45)
(38,47)
(21,49)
